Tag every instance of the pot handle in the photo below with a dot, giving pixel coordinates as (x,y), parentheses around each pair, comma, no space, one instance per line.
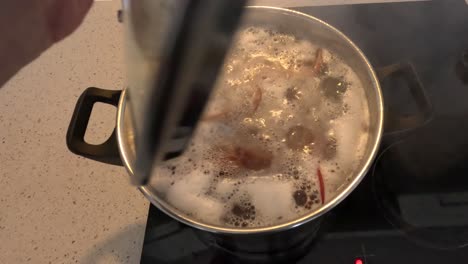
(107,152)
(397,124)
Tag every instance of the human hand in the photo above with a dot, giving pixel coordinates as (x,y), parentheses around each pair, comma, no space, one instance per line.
(29,27)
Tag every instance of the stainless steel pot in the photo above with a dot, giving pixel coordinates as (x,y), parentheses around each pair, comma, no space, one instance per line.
(292,233)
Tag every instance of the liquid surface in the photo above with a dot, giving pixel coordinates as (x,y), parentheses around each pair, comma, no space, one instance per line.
(285,130)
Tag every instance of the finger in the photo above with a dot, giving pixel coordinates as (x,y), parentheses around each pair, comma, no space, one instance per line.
(64,16)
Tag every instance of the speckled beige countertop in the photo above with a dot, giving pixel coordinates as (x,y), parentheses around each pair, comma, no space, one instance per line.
(56,207)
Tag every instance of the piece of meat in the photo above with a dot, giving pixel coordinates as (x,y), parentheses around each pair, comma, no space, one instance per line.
(248,158)
(319,65)
(321,185)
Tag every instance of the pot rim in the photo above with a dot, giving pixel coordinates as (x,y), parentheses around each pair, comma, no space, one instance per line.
(168,209)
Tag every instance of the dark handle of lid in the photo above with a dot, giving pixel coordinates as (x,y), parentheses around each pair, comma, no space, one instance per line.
(395,124)
(107,152)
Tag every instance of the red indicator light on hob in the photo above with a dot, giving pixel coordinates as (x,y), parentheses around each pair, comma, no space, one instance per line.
(358,261)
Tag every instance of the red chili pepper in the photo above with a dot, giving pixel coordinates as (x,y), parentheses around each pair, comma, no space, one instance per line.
(318,63)
(321,185)
(257,98)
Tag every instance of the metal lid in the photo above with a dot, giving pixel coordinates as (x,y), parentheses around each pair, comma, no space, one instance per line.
(174,52)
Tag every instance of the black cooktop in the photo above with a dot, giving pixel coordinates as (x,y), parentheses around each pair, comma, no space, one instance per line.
(412,207)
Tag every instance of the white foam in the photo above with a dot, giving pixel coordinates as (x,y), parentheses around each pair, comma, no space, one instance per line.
(188,193)
(225,186)
(210,182)
(272,199)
